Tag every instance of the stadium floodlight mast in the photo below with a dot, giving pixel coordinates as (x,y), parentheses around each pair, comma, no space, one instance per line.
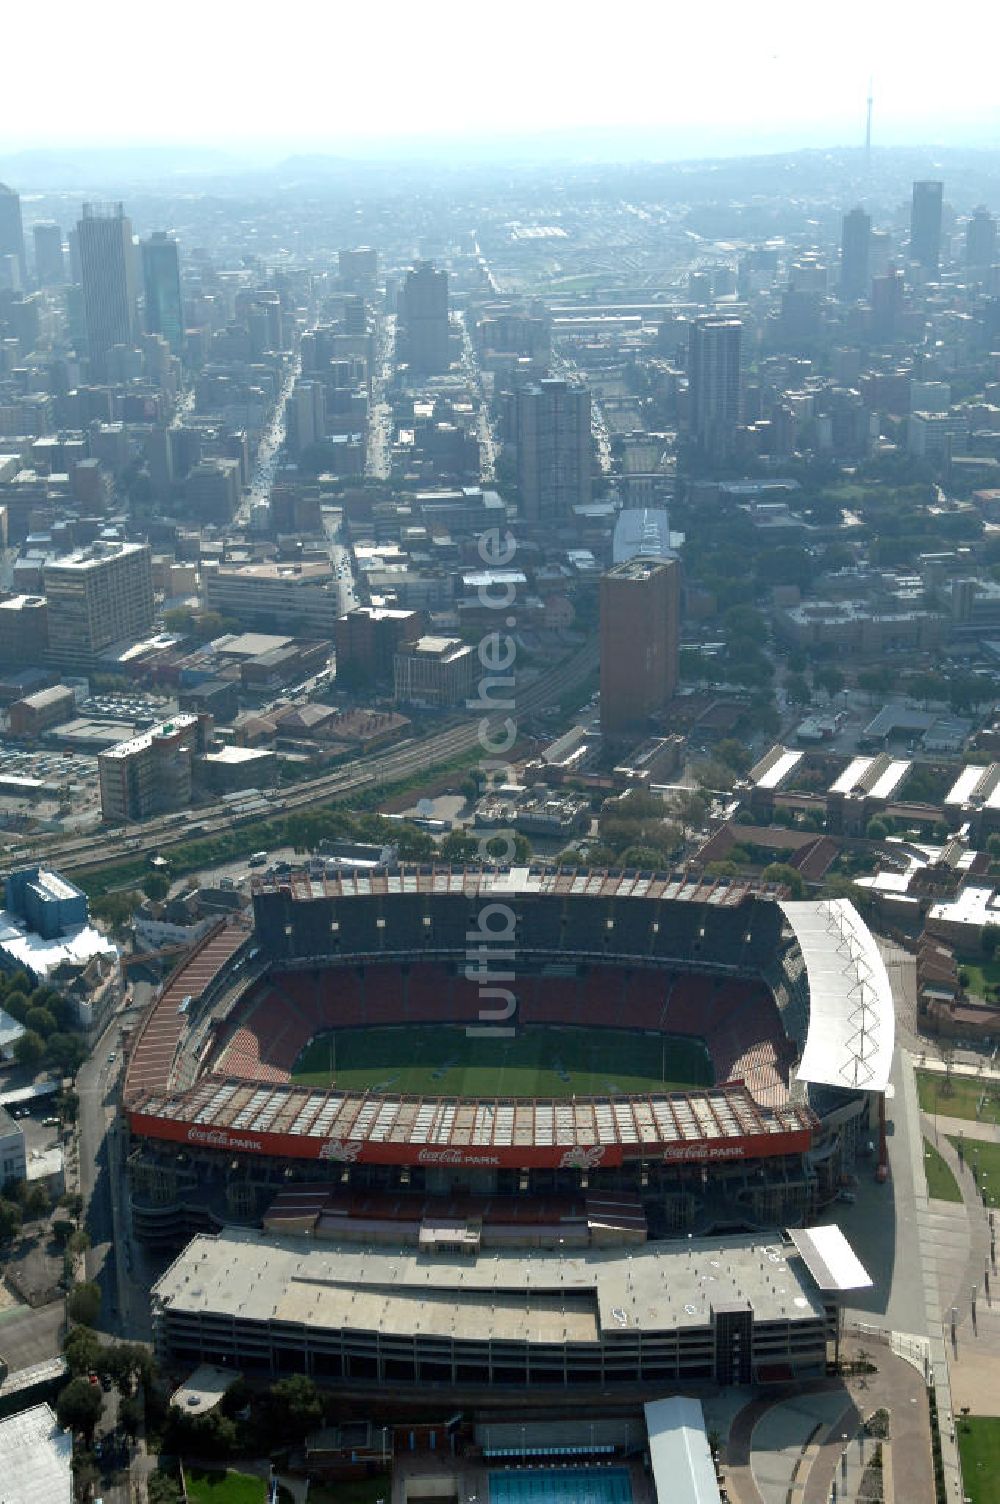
(491,939)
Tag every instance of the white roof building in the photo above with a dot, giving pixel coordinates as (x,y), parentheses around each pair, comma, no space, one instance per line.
(35,1459)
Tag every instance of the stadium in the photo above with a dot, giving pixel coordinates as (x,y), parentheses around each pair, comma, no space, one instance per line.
(457,1059)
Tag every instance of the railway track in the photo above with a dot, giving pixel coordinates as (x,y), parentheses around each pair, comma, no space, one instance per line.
(422,755)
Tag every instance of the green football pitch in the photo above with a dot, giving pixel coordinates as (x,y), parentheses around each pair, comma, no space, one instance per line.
(443,1061)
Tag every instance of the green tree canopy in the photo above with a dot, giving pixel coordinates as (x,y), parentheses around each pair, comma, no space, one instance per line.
(781,872)
(85,1303)
(79,1405)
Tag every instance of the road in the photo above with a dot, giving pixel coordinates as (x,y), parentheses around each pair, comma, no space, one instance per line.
(378,461)
(269,447)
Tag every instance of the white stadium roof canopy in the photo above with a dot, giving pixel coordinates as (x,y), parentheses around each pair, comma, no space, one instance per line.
(830,1258)
(852,1026)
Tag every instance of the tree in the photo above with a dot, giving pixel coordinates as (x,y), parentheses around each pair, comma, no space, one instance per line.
(37,1203)
(80,1241)
(85,1303)
(876,829)
(65,1052)
(734,754)
(86,1475)
(67,1106)
(41,1021)
(82,1350)
(156,885)
(989,939)
(645,858)
(296,1405)
(458,847)
(130,1415)
(10,1220)
(115,909)
(829,679)
(78,1406)
(875,682)
(788,877)
(29,1049)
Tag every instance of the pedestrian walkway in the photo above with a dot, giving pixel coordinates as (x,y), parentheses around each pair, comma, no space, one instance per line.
(961,1128)
(925,1221)
(837,1409)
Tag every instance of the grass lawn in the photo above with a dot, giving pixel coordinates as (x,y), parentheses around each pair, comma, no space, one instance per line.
(440,1060)
(958,1098)
(982,974)
(979,1448)
(941,1183)
(224,1488)
(351,1490)
(986,1158)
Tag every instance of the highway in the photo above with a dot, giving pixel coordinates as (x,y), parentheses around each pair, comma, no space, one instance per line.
(420,755)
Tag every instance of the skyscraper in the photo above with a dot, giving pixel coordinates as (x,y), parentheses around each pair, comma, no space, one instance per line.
(108,277)
(423,317)
(12,230)
(97,597)
(640,642)
(855,251)
(714,378)
(981,239)
(925,224)
(50,263)
(161,279)
(553,448)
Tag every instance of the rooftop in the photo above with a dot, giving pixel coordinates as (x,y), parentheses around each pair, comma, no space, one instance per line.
(177,724)
(35,1458)
(559,1296)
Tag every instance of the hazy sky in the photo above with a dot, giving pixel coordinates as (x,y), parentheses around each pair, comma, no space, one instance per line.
(329,74)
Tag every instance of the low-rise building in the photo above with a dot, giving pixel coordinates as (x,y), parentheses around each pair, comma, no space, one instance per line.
(232,769)
(39,712)
(36,1458)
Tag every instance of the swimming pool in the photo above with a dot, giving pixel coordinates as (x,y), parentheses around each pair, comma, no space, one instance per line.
(563,1485)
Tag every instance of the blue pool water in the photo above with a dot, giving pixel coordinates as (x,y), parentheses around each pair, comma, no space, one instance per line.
(564,1485)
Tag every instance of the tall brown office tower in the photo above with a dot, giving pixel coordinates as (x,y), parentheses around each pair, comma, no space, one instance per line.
(640,642)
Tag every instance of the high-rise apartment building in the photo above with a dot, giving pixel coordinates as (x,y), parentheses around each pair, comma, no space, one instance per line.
(640,642)
(423,320)
(50,260)
(161,279)
(12,230)
(981,239)
(552,425)
(107,272)
(855,255)
(98,597)
(925,224)
(715,382)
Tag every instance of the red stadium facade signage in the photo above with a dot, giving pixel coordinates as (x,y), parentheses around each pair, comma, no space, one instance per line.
(478,1156)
